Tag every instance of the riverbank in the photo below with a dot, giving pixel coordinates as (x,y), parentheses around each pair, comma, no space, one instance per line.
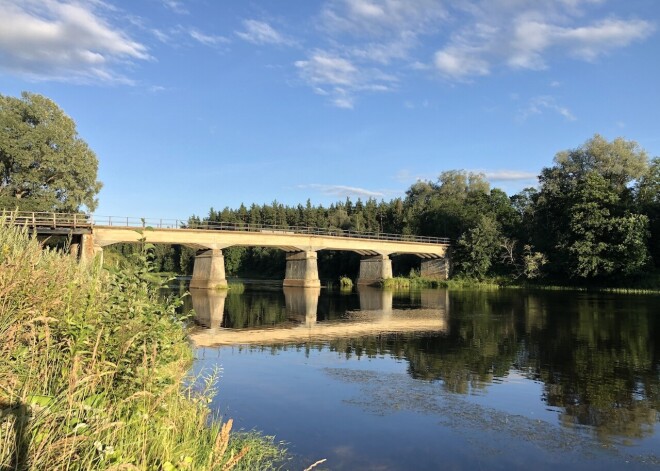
(649,284)
(94,372)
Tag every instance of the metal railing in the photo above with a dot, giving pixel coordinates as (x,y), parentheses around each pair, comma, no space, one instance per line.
(62,220)
(36,220)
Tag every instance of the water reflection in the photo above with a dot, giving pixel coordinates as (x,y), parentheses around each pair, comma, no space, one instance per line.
(227,319)
(375,299)
(209,306)
(302,304)
(596,356)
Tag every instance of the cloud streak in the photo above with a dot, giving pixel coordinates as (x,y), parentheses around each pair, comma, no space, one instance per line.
(343,191)
(525,34)
(260,32)
(62,41)
(340,78)
(538,105)
(210,40)
(458,41)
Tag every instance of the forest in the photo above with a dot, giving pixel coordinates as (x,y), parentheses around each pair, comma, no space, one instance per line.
(593,218)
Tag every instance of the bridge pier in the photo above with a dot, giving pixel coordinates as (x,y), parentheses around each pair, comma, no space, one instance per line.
(209,270)
(87,250)
(374,269)
(436,268)
(302,270)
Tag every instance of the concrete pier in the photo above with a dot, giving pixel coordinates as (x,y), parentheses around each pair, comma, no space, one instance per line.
(374,269)
(87,249)
(302,270)
(209,270)
(436,268)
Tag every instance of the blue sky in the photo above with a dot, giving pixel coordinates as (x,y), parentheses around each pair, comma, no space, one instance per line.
(197,103)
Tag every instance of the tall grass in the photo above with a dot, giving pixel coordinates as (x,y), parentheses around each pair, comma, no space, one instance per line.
(416,282)
(93,372)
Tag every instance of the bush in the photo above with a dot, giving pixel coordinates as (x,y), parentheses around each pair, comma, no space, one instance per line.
(93,367)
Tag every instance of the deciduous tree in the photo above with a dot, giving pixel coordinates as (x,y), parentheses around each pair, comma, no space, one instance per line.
(44,164)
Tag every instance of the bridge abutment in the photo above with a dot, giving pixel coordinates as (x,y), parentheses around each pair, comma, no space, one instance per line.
(436,268)
(302,270)
(209,270)
(374,269)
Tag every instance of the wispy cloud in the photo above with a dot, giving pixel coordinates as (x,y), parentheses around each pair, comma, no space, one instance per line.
(538,105)
(260,32)
(381,18)
(508,175)
(343,191)
(524,34)
(340,79)
(207,39)
(55,40)
(176,6)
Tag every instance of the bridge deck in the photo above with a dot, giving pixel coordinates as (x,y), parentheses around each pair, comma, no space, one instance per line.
(109,230)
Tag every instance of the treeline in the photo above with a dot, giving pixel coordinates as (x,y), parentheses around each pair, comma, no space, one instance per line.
(595,217)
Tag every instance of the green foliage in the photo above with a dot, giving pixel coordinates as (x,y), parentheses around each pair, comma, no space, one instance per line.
(585,216)
(345,283)
(648,200)
(589,220)
(44,164)
(94,371)
(477,249)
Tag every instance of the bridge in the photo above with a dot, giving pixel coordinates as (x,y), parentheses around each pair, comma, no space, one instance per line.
(91,233)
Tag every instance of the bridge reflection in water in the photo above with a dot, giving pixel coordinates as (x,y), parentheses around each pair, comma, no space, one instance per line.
(376,315)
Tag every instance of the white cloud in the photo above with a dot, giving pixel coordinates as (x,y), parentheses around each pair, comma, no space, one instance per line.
(540,104)
(508,175)
(525,34)
(459,62)
(324,68)
(260,32)
(176,6)
(343,191)
(64,41)
(207,39)
(340,79)
(380,17)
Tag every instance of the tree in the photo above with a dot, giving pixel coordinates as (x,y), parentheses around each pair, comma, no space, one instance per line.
(477,249)
(44,164)
(585,217)
(648,200)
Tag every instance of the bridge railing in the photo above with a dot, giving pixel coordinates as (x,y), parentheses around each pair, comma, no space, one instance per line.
(49,220)
(116,221)
(82,221)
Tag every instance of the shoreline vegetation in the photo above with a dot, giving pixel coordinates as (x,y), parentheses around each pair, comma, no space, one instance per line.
(94,369)
(645,286)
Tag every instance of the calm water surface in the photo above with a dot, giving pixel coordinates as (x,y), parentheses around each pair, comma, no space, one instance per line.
(377,380)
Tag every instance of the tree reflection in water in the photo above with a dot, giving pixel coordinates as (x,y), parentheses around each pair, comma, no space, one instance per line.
(595,354)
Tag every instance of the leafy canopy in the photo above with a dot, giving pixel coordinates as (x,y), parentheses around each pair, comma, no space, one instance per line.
(44,164)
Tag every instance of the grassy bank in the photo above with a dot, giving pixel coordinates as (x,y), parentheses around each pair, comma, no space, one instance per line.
(93,373)
(416,282)
(650,284)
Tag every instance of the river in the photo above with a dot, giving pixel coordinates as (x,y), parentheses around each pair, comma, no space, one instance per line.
(437,379)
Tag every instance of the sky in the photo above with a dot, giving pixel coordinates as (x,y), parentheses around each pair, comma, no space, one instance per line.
(193,104)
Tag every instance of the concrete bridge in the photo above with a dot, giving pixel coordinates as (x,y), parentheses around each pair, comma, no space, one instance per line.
(91,233)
